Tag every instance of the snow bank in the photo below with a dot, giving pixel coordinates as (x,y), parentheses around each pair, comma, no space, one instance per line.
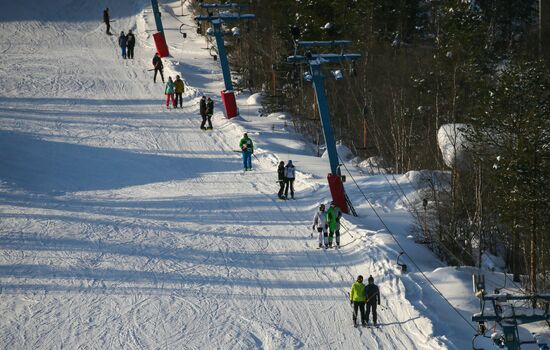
(452,142)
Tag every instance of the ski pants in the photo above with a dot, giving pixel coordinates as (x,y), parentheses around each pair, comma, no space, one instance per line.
(281,190)
(359,305)
(170,97)
(155,76)
(247,160)
(323,237)
(208,119)
(178,97)
(331,235)
(108,25)
(371,305)
(123,51)
(130,52)
(289,184)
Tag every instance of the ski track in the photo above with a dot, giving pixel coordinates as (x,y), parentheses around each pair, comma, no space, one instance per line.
(177,248)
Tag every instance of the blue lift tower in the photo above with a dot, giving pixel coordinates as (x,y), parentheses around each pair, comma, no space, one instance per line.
(315,74)
(217,20)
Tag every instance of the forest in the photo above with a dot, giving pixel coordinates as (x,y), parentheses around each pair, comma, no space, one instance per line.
(475,70)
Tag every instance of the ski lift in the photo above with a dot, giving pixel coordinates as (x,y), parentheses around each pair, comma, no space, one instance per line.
(401,266)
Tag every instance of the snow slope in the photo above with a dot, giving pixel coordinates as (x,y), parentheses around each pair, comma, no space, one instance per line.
(124,226)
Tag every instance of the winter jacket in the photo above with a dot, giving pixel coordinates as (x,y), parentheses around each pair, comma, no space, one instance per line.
(332,218)
(106,16)
(122,40)
(169,88)
(210,107)
(130,40)
(320,220)
(357,292)
(180,88)
(157,62)
(372,294)
(246,145)
(202,107)
(281,173)
(290,172)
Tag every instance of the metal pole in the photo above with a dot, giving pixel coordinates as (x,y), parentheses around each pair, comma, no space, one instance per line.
(319,85)
(156,13)
(218,33)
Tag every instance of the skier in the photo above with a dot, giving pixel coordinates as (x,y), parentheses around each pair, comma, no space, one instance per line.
(180,89)
(209,112)
(281,179)
(107,21)
(357,299)
(157,63)
(320,222)
(130,43)
(169,92)
(247,148)
(290,174)
(372,294)
(202,111)
(333,219)
(122,44)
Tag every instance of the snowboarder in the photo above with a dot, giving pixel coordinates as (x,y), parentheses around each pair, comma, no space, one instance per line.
(209,112)
(122,44)
(357,300)
(281,179)
(130,43)
(320,223)
(372,294)
(247,148)
(157,63)
(333,220)
(180,89)
(290,174)
(107,21)
(202,111)
(169,92)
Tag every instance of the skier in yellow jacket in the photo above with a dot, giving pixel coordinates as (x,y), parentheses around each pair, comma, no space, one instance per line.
(357,299)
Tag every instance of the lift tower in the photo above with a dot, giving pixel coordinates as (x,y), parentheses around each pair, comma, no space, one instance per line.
(315,74)
(217,20)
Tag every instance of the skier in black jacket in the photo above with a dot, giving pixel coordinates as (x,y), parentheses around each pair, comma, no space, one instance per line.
(202,111)
(130,43)
(107,21)
(209,112)
(372,294)
(157,63)
(281,179)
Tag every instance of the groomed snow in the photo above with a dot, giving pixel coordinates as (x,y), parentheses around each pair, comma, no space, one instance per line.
(124,226)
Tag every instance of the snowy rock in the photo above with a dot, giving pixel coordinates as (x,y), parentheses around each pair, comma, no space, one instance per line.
(373,165)
(452,142)
(343,152)
(254,99)
(279,115)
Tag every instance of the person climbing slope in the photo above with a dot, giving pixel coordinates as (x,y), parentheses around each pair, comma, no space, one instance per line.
(281,179)
(107,21)
(333,220)
(130,43)
(290,174)
(122,44)
(157,64)
(209,112)
(179,89)
(372,294)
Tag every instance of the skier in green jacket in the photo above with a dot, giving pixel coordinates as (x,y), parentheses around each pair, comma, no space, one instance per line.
(333,219)
(357,299)
(247,148)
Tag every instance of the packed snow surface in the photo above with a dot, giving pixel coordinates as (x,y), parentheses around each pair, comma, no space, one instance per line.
(124,226)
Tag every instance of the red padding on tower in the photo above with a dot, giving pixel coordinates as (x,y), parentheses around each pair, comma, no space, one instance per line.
(229,103)
(337,192)
(160,44)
